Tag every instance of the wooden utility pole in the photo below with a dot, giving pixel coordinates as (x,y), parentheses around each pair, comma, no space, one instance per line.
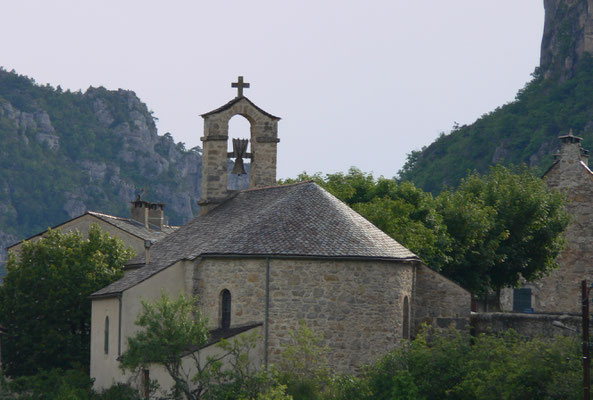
(586,359)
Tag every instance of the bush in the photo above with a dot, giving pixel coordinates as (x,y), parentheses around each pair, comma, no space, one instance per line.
(55,384)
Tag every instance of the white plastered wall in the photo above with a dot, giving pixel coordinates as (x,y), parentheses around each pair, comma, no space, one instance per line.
(105,368)
(83,225)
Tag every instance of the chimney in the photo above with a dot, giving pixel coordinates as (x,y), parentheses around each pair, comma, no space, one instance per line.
(139,211)
(147,213)
(570,149)
(156,214)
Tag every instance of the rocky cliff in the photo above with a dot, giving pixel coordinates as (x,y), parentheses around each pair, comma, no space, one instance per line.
(568,34)
(62,153)
(524,131)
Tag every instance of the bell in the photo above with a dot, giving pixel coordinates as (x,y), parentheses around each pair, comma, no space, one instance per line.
(238,168)
(239,151)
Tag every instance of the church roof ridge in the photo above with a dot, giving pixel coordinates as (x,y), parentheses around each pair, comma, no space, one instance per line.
(297,220)
(233,102)
(276,186)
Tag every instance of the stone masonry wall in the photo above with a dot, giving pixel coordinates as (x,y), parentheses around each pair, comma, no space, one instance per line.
(263,144)
(529,325)
(561,291)
(439,301)
(356,305)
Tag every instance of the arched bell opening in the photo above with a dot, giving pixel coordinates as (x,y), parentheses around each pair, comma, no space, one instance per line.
(239,150)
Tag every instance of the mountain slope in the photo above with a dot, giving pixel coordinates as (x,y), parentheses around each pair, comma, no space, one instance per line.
(62,153)
(524,131)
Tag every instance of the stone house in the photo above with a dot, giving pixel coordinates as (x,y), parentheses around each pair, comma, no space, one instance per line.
(145,225)
(266,258)
(560,292)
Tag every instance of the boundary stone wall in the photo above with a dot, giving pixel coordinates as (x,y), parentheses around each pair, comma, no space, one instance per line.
(529,325)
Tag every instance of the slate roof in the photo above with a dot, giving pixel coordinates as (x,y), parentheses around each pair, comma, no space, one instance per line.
(136,228)
(584,165)
(236,100)
(301,220)
(126,224)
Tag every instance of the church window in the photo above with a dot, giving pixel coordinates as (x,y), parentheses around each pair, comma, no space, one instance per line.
(406,319)
(522,300)
(107,335)
(225,320)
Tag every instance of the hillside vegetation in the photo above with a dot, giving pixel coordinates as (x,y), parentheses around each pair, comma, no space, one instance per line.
(62,153)
(523,131)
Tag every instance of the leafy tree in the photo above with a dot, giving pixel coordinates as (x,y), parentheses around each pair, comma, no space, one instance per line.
(303,366)
(504,225)
(44,301)
(522,131)
(404,212)
(486,234)
(174,330)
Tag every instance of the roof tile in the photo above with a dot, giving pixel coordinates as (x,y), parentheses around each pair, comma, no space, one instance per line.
(301,220)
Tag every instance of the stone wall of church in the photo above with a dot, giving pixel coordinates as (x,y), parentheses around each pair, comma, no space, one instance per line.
(438,301)
(356,305)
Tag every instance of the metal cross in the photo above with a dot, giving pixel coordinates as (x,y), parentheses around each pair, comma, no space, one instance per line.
(240,85)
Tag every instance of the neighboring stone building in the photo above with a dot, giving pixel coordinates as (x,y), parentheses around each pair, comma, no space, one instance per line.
(146,223)
(561,290)
(271,256)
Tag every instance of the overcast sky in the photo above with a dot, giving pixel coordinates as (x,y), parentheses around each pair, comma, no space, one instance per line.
(357,83)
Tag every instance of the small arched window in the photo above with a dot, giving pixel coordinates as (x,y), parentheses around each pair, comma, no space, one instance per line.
(406,319)
(225,300)
(107,335)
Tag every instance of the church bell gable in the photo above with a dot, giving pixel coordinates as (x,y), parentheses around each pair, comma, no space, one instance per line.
(263,141)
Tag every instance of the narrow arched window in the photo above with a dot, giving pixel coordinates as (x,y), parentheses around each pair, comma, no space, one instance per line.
(406,319)
(225,300)
(107,335)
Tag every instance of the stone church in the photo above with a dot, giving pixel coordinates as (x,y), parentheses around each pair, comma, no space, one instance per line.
(271,256)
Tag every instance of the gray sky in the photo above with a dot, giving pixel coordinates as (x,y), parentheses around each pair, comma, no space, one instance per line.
(357,83)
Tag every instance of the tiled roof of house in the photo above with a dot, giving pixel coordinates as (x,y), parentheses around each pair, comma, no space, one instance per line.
(126,224)
(136,228)
(301,220)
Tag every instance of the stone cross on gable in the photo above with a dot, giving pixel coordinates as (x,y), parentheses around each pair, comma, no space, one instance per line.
(240,85)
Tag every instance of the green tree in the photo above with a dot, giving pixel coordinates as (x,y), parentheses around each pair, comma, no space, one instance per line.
(503,226)
(44,301)
(174,331)
(486,234)
(403,211)
(303,367)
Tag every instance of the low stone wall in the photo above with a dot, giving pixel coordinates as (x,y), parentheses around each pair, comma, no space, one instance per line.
(530,325)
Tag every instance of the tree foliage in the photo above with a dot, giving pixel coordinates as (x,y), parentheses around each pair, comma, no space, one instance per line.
(493,367)
(303,367)
(173,333)
(486,234)
(36,181)
(523,131)
(44,301)
(503,226)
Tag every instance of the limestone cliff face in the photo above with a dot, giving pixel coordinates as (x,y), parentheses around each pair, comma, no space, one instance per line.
(568,33)
(63,153)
